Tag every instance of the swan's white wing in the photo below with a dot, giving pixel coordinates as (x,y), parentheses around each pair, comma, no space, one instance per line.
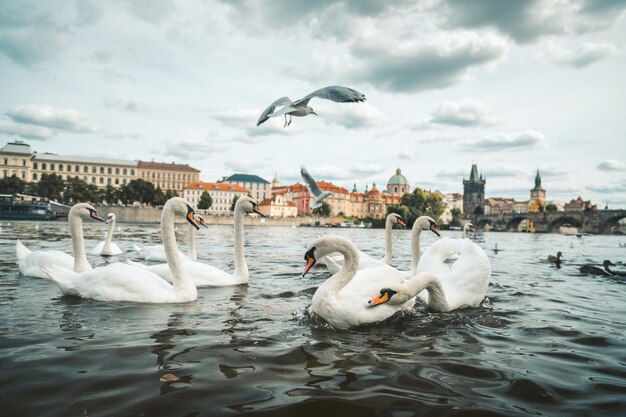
(350,307)
(33,263)
(269,112)
(465,282)
(310,183)
(203,275)
(335,93)
(114,282)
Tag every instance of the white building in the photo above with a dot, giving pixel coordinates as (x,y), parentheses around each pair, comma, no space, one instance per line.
(278,206)
(221,193)
(258,188)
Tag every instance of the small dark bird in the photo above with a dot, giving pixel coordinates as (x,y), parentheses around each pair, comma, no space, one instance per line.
(615,273)
(594,270)
(555,259)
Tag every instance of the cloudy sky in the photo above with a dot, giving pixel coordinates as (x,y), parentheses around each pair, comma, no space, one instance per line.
(510,85)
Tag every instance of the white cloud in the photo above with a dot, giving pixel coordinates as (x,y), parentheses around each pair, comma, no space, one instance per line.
(616,187)
(503,141)
(528,21)
(244,165)
(69,120)
(194,149)
(611,165)
(367,169)
(410,66)
(124,105)
(462,113)
(27,131)
(349,115)
(588,53)
(407,155)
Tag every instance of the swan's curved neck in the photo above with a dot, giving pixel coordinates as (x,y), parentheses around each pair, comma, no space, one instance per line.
(192,244)
(465,231)
(415,247)
(349,269)
(182,282)
(241,267)
(107,241)
(424,280)
(388,247)
(81,264)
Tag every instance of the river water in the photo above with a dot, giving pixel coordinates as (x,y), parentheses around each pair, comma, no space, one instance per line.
(546,341)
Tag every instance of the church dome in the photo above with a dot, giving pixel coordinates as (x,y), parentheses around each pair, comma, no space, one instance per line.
(398,179)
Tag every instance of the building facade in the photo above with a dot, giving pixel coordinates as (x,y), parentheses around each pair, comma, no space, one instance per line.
(17,158)
(259,188)
(278,206)
(167,176)
(474,193)
(222,195)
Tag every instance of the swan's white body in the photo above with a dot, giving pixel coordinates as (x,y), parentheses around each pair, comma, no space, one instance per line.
(465,282)
(123,282)
(108,248)
(205,275)
(157,252)
(342,299)
(32,263)
(334,262)
(154,253)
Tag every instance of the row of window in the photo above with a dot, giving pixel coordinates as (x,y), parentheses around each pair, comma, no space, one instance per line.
(94,169)
(94,180)
(6,161)
(169,176)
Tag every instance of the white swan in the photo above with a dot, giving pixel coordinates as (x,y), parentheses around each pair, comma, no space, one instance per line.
(334,262)
(31,263)
(108,248)
(468,227)
(205,275)
(465,282)
(342,300)
(123,282)
(157,252)
(421,223)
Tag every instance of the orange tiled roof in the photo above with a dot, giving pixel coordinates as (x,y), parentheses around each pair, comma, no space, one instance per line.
(166,166)
(373,191)
(215,186)
(329,186)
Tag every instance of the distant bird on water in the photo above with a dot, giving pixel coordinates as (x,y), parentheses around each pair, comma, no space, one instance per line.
(317,194)
(594,270)
(555,259)
(301,107)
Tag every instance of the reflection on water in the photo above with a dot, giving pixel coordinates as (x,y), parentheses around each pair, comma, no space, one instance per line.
(546,341)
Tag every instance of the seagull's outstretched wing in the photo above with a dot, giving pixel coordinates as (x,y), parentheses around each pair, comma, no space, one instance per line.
(283,101)
(310,182)
(335,93)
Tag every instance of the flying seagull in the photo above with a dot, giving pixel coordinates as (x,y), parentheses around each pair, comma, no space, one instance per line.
(301,107)
(315,191)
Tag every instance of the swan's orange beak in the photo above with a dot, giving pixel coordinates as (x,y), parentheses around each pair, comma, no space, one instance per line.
(379,299)
(258,211)
(401,222)
(310,261)
(95,216)
(201,222)
(435,229)
(191,219)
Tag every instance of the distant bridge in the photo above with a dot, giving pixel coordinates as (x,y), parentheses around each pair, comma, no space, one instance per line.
(588,221)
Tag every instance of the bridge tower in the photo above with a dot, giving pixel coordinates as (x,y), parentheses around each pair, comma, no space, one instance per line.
(474,194)
(537,196)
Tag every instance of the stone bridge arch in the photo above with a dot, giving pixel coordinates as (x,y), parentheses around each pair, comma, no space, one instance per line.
(565,219)
(514,224)
(485,223)
(609,222)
